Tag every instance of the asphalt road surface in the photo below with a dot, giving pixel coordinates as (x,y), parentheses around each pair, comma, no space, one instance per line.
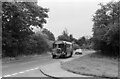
(26,68)
(29,67)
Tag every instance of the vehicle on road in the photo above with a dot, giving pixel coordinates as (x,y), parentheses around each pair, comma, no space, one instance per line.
(62,49)
(78,51)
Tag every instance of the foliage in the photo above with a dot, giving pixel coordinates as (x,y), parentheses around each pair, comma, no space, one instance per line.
(17,17)
(85,43)
(81,41)
(66,37)
(75,46)
(37,44)
(49,34)
(106,28)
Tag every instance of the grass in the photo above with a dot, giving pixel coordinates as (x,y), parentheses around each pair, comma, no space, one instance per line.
(21,58)
(93,65)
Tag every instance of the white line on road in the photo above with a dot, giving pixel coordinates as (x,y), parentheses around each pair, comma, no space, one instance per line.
(21,72)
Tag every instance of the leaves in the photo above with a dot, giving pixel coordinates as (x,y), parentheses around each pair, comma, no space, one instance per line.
(17,17)
(49,34)
(106,27)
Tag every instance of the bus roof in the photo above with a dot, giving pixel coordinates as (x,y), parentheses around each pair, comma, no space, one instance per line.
(59,42)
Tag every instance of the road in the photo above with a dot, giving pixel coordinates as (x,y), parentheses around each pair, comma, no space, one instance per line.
(29,67)
(26,68)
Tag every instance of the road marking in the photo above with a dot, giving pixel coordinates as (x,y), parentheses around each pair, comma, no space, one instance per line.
(21,72)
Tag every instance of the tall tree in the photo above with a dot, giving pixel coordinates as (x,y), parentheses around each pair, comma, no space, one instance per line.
(64,36)
(49,34)
(16,20)
(106,27)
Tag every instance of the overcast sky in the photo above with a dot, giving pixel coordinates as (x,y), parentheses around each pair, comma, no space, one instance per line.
(74,15)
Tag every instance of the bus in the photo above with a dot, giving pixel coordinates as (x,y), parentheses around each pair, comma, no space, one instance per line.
(62,49)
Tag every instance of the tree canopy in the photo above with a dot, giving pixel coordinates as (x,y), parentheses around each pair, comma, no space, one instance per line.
(106,28)
(49,34)
(65,36)
(17,17)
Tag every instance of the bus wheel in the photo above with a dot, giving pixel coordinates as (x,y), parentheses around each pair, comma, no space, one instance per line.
(71,54)
(53,56)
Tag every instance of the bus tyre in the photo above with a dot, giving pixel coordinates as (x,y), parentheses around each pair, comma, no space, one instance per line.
(53,56)
(71,54)
(65,54)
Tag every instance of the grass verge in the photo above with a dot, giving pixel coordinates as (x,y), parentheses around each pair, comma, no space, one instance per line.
(93,65)
(22,58)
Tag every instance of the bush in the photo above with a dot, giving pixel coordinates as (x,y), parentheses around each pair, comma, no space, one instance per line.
(34,44)
(106,29)
(37,44)
(75,46)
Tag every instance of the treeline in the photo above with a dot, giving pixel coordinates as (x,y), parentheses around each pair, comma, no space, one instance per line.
(106,28)
(17,35)
(84,42)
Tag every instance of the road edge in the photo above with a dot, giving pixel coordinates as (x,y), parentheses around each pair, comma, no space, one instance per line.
(48,75)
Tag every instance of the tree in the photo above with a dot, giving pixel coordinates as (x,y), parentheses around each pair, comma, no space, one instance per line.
(16,20)
(106,28)
(49,34)
(64,36)
(85,42)
(81,41)
(39,43)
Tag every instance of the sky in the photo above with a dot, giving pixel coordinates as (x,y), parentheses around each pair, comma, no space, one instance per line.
(73,15)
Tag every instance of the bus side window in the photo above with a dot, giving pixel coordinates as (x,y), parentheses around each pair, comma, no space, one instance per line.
(54,45)
(68,45)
